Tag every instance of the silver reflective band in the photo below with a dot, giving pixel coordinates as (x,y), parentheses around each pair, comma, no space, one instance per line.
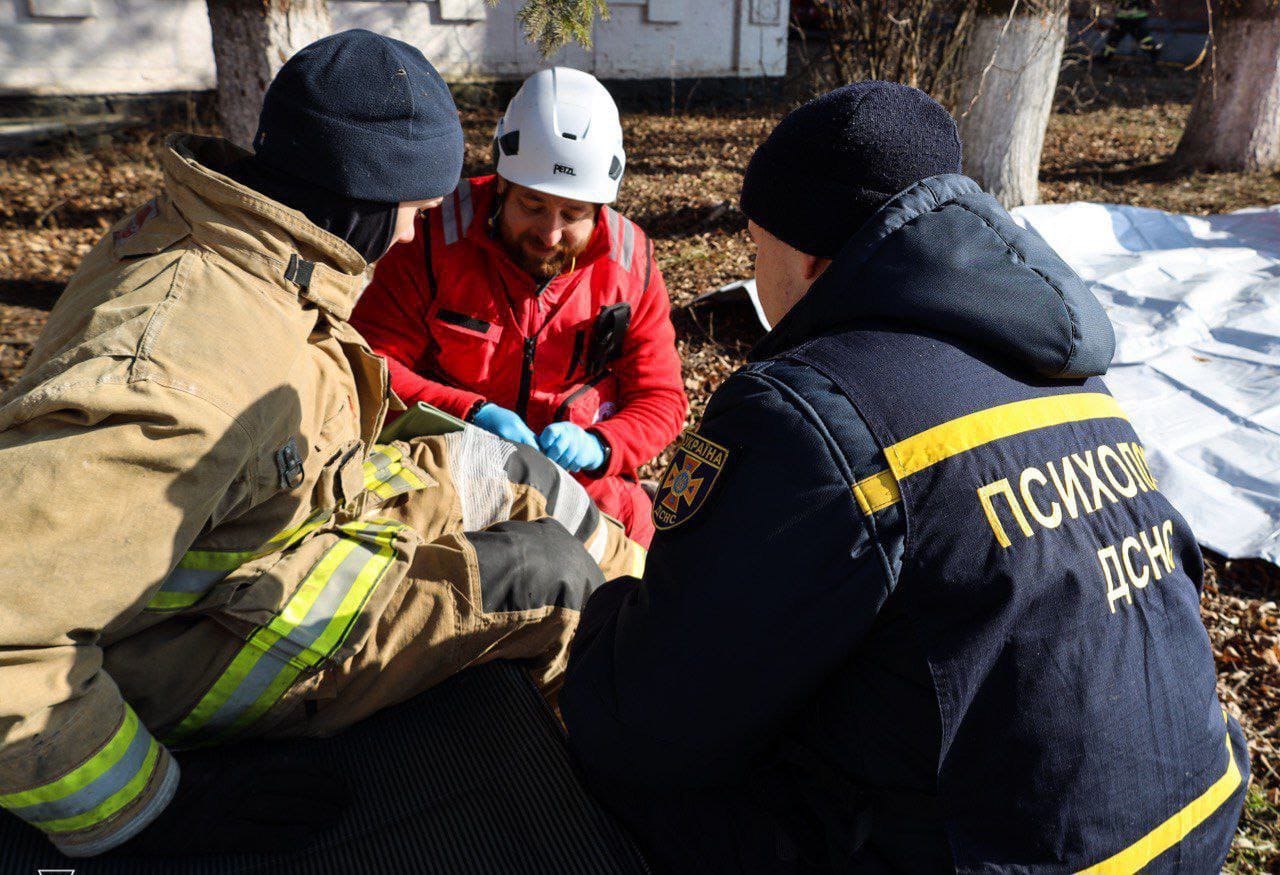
(615,232)
(464,202)
(628,243)
(307,630)
(99,790)
(449,219)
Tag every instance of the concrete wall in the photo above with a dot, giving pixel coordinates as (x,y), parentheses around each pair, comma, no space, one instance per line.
(122,46)
(56,47)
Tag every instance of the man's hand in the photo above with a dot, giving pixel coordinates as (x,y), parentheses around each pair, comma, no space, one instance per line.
(570,447)
(505,424)
(254,798)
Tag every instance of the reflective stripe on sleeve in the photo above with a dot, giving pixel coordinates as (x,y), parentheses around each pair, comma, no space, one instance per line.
(628,243)
(615,232)
(449,219)
(308,629)
(386,476)
(877,492)
(199,570)
(466,210)
(100,787)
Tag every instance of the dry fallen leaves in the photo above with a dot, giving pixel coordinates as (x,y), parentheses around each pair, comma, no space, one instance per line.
(683,177)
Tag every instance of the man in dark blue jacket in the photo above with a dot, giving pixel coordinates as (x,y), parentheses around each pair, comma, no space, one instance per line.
(916,602)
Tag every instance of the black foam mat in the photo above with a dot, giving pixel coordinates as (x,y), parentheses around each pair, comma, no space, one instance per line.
(471,777)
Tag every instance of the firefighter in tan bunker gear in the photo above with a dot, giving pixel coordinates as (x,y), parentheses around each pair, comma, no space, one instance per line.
(203,540)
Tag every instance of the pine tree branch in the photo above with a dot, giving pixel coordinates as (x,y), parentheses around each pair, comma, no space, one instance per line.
(553,24)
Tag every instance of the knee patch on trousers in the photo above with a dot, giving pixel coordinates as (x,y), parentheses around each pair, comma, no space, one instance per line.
(525,565)
(567,501)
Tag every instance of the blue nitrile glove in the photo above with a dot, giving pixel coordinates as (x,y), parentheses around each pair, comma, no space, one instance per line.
(570,447)
(504,423)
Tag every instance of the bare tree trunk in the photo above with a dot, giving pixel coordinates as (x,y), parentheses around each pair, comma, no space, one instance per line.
(251,41)
(1007,80)
(1235,121)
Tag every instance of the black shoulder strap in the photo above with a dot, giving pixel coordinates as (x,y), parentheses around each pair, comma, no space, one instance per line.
(426,258)
(648,266)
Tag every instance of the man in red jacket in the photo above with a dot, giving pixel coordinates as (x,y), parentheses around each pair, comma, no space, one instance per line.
(536,311)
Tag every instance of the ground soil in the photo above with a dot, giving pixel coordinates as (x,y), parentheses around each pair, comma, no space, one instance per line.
(1110,139)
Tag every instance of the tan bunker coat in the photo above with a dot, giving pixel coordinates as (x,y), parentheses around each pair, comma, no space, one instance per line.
(202,540)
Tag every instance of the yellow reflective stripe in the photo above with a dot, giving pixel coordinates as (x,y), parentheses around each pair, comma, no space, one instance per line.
(173,601)
(217,560)
(181,591)
(380,464)
(113,803)
(357,597)
(314,622)
(877,492)
(279,685)
(214,560)
(261,641)
(1176,828)
(289,537)
(386,476)
(384,490)
(296,608)
(335,632)
(414,481)
(81,777)
(960,435)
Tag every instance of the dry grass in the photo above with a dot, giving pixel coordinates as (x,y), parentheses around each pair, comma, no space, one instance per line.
(1108,141)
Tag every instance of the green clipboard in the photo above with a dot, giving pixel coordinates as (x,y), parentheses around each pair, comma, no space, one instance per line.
(420,420)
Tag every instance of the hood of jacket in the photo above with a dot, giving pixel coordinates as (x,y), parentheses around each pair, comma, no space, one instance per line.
(944,257)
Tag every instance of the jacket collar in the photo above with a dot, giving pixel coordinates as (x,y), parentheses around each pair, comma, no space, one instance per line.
(944,257)
(277,244)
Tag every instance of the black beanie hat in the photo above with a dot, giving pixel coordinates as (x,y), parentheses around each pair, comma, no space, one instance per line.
(365,116)
(833,162)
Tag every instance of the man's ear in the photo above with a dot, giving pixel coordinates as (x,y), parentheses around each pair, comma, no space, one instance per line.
(499,201)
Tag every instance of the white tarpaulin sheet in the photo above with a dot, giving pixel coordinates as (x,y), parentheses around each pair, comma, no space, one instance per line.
(1196,306)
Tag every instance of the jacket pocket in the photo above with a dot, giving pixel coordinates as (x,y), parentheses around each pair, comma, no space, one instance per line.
(224,563)
(591,402)
(466,345)
(342,477)
(317,605)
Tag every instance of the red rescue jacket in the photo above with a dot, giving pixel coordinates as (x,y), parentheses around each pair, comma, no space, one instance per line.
(461,323)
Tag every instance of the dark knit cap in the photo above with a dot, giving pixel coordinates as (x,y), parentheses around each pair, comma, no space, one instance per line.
(833,162)
(365,116)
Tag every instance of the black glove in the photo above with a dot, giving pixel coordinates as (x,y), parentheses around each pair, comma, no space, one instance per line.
(254,798)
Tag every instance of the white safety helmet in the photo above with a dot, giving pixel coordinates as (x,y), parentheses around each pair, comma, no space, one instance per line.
(561,135)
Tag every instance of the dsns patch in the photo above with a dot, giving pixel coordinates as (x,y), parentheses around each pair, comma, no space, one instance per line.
(688,480)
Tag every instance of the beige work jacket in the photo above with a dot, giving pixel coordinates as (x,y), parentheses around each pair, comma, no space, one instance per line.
(194,436)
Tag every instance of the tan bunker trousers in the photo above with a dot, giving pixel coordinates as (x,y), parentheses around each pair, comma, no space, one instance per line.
(496,569)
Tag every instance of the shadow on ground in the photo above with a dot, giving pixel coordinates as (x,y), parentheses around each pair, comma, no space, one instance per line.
(33,293)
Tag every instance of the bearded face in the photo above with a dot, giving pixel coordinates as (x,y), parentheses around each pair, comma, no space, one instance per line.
(543,233)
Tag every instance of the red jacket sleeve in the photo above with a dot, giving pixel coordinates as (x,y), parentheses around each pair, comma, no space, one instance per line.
(652,403)
(392,316)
